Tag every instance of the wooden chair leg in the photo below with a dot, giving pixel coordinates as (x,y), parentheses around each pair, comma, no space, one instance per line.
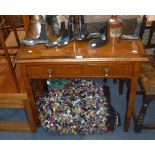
(142,113)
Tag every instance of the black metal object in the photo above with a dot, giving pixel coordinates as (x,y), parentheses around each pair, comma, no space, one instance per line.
(98,38)
(94,43)
(43,39)
(81,34)
(63,31)
(70,34)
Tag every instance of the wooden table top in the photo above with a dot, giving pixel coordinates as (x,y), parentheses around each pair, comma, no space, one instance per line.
(75,51)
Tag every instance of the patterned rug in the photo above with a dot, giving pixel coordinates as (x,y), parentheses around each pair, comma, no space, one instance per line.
(77,106)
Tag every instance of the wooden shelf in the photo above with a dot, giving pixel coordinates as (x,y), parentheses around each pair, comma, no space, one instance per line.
(14,126)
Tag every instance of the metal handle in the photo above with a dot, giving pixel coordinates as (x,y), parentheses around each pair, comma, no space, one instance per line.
(106,71)
(50,71)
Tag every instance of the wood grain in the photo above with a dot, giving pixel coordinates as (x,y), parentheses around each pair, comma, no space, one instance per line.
(125,50)
(121,60)
(14,126)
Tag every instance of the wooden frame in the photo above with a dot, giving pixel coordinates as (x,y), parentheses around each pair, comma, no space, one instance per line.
(11,95)
(16,101)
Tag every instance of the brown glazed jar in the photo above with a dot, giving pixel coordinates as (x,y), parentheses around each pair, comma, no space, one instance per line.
(114,29)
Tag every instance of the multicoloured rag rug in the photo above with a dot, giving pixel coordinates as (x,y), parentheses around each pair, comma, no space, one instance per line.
(77,106)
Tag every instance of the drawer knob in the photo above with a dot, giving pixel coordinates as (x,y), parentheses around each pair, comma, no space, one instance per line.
(106,71)
(50,71)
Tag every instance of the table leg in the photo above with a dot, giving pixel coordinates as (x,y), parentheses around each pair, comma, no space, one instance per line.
(133,88)
(30,96)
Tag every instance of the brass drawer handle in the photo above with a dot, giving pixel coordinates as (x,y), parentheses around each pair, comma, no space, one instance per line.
(50,71)
(106,71)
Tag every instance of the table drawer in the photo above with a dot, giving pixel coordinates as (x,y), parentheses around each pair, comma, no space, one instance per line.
(105,70)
